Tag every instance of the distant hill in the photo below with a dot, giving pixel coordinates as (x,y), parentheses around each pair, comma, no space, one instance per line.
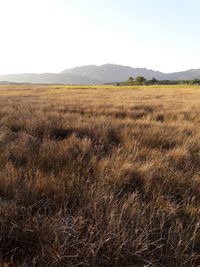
(113,73)
(183,75)
(63,78)
(117,73)
(93,74)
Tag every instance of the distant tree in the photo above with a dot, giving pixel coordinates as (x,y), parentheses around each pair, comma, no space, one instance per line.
(130,80)
(195,81)
(153,81)
(140,80)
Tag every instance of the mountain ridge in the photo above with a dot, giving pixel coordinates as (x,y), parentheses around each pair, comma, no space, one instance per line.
(93,74)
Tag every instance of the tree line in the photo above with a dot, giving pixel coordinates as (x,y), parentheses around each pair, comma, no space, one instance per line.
(140,80)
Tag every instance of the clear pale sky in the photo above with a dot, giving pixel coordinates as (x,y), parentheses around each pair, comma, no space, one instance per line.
(52,35)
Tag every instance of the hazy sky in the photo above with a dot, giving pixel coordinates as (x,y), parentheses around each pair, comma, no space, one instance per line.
(51,35)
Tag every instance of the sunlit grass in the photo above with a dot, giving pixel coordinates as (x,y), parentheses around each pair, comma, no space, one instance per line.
(99,175)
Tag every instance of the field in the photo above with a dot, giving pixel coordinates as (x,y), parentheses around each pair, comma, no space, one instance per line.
(99,176)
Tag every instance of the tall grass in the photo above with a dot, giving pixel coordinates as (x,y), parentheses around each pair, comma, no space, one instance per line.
(99,176)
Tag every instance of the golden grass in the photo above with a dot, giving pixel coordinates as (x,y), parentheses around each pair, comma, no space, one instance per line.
(99,176)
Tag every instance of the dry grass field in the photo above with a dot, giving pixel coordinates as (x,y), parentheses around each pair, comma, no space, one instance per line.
(99,176)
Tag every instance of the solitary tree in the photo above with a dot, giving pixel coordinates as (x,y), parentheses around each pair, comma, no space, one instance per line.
(130,80)
(140,80)
(154,81)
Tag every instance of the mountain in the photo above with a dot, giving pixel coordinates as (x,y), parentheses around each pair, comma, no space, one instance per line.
(51,78)
(93,74)
(183,75)
(113,73)
(117,73)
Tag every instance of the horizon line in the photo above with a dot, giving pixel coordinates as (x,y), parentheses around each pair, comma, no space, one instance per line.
(100,65)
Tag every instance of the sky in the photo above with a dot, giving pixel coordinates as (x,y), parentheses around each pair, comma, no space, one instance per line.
(52,35)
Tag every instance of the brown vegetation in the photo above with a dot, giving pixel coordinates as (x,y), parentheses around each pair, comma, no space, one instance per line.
(99,176)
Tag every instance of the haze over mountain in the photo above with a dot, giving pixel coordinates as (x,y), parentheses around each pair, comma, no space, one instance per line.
(93,74)
(48,78)
(112,72)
